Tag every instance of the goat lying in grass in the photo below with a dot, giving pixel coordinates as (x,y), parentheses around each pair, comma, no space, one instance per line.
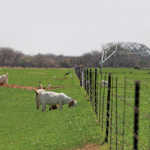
(52,98)
(4,79)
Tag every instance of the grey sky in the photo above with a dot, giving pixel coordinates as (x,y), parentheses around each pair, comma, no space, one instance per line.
(72,27)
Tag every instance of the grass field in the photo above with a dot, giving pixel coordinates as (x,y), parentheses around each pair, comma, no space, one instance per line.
(22,127)
(130,75)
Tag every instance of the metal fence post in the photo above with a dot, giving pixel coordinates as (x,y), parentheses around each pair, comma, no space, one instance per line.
(136,115)
(96,91)
(90,85)
(80,74)
(108,108)
(87,81)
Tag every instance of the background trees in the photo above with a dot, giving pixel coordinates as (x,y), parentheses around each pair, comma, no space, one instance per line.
(12,58)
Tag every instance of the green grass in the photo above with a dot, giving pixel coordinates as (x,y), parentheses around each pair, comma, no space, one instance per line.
(22,127)
(144,121)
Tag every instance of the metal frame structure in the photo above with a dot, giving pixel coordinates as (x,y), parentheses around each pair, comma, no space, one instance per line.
(135,49)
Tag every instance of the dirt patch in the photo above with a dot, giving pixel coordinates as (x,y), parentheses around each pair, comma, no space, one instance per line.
(29,88)
(61,78)
(90,147)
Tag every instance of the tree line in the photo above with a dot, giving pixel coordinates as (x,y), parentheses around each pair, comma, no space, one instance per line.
(12,58)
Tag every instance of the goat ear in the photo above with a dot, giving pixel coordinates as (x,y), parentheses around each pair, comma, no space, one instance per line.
(36,92)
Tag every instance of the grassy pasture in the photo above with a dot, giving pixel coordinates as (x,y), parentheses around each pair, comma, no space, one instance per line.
(131,75)
(22,127)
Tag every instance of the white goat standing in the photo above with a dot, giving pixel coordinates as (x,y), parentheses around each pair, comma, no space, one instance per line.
(104,83)
(52,98)
(4,79)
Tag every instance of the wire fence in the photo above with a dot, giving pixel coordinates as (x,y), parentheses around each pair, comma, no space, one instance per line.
(121,106)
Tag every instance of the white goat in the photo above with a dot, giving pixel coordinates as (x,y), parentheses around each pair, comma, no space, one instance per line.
(52,98)
(104,83)
(4,79)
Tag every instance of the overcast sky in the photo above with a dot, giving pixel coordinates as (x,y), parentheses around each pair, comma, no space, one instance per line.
(72,27)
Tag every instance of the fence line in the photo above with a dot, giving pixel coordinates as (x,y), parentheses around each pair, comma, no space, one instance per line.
(116,105)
